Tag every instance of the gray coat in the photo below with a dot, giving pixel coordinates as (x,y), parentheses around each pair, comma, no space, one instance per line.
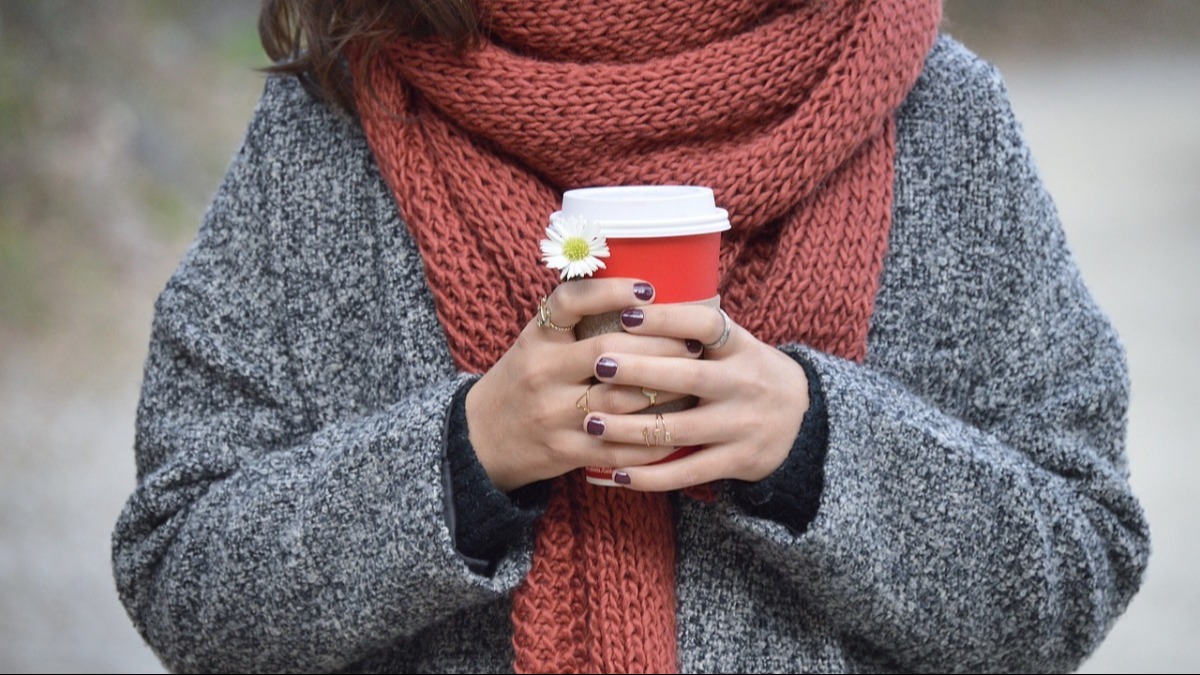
(976,512)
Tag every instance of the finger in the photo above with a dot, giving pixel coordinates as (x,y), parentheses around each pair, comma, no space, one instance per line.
(705,465)
(646,345)
(616,399)
(706,379)
(687,321)
(573,300)
(615,454)
(577,449)
(684,428)
(682,324)
(578,359)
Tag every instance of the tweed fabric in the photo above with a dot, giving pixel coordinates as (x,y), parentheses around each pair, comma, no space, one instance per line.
(288,514)
(477,147)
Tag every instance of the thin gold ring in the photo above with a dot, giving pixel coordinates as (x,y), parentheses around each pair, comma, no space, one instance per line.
(584,402)
(543,317)
(650,394)
(660,434)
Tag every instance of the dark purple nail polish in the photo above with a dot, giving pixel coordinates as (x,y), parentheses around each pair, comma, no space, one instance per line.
(621,478)
(606,367)
(643,290)
(694,346)
(595,426)
(632,317)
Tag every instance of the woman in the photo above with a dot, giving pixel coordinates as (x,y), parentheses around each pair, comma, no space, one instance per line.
(364,413)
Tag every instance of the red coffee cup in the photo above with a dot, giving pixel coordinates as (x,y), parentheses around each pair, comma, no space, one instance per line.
(668,235)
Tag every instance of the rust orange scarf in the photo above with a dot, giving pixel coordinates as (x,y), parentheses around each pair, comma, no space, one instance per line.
(784,108)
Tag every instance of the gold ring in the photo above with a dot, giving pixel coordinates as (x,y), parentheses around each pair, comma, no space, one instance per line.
(543,317)
(650,394)
(660,434)
(584,403)
(726,329)
(647,436)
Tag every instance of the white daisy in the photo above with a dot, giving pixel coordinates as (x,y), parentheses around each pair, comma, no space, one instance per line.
(575,246)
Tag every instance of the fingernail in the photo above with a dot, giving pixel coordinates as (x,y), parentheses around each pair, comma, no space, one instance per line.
(643,290)
(694,346)
(606,367)
(595,426)
(621,478)
(632,317)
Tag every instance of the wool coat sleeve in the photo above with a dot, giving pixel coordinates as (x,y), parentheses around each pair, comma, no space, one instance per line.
(976,514)
(289,509)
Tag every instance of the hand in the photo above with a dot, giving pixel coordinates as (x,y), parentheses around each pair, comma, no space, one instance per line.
(522,416)
(752,399)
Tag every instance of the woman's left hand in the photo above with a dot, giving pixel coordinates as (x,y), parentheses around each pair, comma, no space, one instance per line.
(752,398)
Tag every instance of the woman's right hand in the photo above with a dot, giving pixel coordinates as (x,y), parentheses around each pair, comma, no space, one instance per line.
(522,415)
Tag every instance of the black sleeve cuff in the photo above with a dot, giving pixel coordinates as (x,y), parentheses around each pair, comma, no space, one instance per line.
(482,519)
(791,495)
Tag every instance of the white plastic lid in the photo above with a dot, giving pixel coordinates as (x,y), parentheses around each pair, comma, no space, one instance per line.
(643,211)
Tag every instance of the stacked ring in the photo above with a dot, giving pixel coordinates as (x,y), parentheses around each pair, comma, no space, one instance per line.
(543,317)
(660,434)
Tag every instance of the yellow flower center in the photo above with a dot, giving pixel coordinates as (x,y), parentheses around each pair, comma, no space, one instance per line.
(576,249)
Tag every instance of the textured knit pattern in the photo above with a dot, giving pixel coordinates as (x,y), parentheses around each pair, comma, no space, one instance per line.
(484,519)
(764,113)
(288,516)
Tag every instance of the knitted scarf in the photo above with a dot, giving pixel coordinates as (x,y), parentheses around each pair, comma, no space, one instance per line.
(785,108)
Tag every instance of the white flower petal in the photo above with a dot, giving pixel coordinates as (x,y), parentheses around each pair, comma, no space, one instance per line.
(573,230)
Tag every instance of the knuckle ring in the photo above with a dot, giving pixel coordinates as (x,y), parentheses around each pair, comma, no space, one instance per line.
(650,394)
(660,433)
(584,402)
(726,329)
(543,317)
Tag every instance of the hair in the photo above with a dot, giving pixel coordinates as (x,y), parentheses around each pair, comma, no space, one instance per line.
(310,38)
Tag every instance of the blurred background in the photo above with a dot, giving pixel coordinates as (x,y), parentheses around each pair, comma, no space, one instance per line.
(117,121)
